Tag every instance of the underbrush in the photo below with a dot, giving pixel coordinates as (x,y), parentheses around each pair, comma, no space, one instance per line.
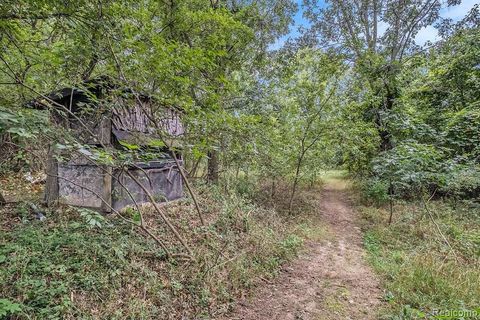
(278,197)
(424,275)
(67,267)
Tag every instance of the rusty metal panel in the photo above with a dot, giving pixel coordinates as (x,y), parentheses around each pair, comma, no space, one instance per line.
(164,184)
(168,183)
(80,184)
(125,191)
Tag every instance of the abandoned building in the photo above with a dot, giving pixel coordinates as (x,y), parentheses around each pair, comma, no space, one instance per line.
(116,122)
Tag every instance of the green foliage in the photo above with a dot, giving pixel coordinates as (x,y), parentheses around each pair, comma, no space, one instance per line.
(8,308)
(432,126)
(185,55)
(376,190)
(92,218)
(19,129)
(462,180)
(420,273)
(87,265)
(404,122)
(286,129)
(130,146)
(69,256)
(462,133)
(409,167)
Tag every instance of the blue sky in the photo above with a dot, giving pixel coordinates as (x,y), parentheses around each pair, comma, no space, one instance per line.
(455,13)
(426,34)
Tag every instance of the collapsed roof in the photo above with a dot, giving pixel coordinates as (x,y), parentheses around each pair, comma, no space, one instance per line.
(134,118)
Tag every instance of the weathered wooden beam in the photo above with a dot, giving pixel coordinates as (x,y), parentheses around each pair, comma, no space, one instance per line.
(107,190)
(51,184)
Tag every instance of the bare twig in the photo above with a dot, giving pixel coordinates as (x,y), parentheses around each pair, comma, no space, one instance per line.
(141,226)
(34,17)
(160,212)
(425,204)
(189,187)
(161,133)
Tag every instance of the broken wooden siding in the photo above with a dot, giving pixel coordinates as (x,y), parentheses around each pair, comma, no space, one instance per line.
(96,129)
(130,116)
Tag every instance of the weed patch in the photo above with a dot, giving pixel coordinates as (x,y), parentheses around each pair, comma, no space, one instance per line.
(421,274)
(76,265)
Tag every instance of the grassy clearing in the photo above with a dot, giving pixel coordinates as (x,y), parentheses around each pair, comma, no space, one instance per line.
(421,274)
(335,176)
(65,268)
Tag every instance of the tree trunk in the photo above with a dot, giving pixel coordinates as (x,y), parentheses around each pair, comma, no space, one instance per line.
(2,199)
(314,179)
(295,181)
(390,195)
(51,186)
(294,189)
(385,136)
(390,218)
(272,190)
(212,171)
(385,140)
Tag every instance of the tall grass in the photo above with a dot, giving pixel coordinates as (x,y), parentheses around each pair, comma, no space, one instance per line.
(422,275)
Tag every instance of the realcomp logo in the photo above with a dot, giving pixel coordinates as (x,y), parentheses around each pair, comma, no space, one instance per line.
(456,314)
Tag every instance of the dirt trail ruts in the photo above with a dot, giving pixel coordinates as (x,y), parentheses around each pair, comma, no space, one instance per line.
(330,281)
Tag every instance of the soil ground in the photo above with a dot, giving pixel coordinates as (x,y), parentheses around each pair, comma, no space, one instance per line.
(329,280)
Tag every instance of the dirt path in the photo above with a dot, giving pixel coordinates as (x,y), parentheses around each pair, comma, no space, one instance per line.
(330,281)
